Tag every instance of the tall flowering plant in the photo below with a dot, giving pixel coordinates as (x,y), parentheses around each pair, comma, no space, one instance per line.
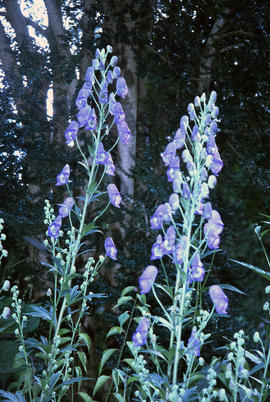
(50,362)
(188,229)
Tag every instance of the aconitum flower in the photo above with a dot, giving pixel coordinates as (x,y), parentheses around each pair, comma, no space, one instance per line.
(213,127)
(173,168)
(212,100)
(174,201)
(84,115)
(197,101)
(207,211)
(212,181)
(82,97)
(157,249)
(71,133)
(140,335)
(110,168)
(92,121)
(118,112)
(109,77)
(5,313)
(179,250)
(169,154)
(121,87)
(211,146)
(63,176)
(194,343)
(95,64)
(179,139)
(186,194)
(102,155)
(195,136)
(177,182)
(113,61)
(147,279)
(66,207)
(212,230)
(169,240)
(219,299)
(184,124)
(123,132)
(116,72)
(114,195)
(156,220)
(103,95)
(191,112)
(110,248)
(53,230)
(215,112)
(90,75)
(197,270)
(216,165)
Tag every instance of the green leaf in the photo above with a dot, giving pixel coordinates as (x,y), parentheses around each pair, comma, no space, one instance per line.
(86,397)
(119,397)
(232,288)
(106,355)
(127,290)
(89,228)
(100,382)
(258,271)
(114,331)
(123,318)
(85,339)
(83,359)
(122,300)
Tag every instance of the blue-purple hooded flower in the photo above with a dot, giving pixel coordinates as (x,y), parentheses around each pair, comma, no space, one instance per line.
(219,299)
(194,343)
(71,133)
(121,87)
(140,335)
(63,177)
(114,195)
(179,139)
(118,112)
(110,248)
(53,230)
(84,115)
(123,132)
(147,279)
(102,155)
(179,251)
(197,269)
(82,97)
(66,207)
(157,251)
(169,154)
(92,121)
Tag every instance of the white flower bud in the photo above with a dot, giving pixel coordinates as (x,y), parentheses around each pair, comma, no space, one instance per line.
(6,286)
(5,313)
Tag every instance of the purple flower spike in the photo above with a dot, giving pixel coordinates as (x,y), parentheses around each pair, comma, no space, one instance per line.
(179,139)
(71,133)
(102,155)
(147,279)
(83,115)
(184,124)
(219,299)
(121,87)
(197,270)
(140,335)
(92,121)
(157,249)
(110,248)
(123,132)
(114,195)
(118,112)
(53,230)
(194,343)
(169,154)
(63,176)
(66,207)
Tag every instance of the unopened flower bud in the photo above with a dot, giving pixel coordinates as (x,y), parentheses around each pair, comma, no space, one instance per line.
(6,313)
(6,286)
